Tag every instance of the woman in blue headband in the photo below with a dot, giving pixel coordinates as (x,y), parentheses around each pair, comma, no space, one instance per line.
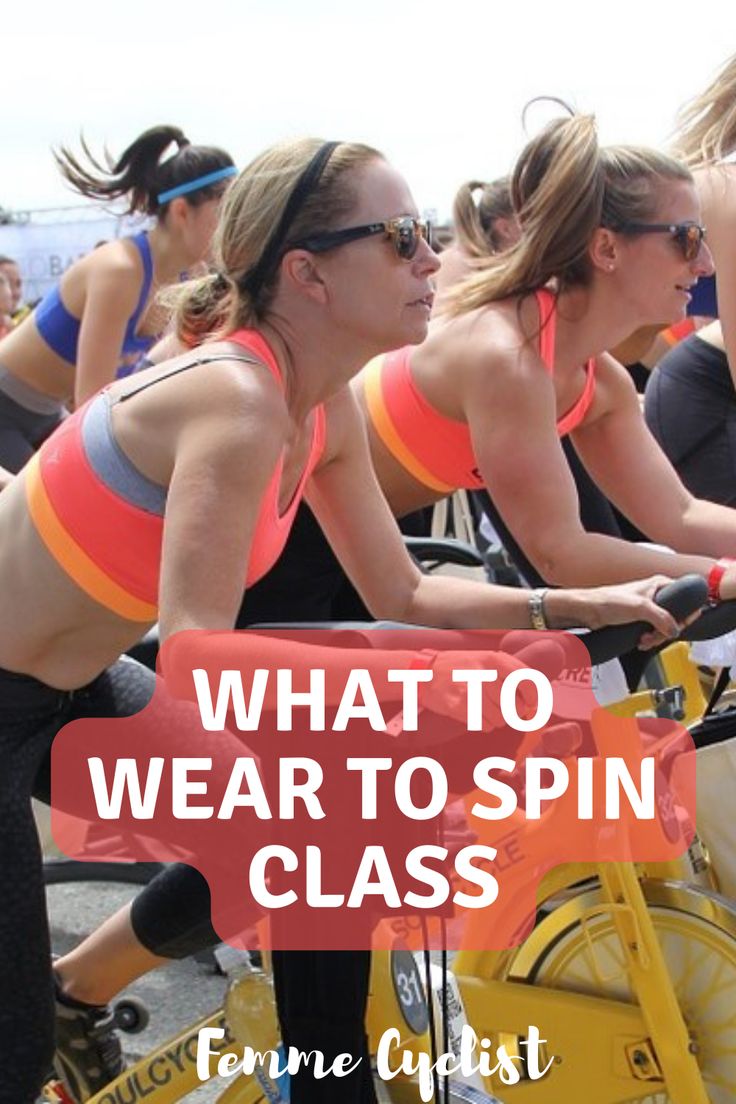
(102,317)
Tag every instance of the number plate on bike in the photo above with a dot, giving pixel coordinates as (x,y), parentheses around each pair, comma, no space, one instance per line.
(409,990)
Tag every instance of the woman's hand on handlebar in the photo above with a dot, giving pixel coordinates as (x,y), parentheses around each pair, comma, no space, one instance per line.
(626,602)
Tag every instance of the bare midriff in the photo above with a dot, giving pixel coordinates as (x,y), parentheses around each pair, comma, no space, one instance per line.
(27,356)
(49,628)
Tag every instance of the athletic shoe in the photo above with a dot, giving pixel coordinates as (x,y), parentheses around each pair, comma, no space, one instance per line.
(88,1052)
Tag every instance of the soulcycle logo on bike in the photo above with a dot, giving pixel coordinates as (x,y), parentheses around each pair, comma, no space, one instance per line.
(346,783)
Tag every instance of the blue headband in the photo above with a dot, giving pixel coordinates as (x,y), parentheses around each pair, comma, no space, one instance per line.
(195,185)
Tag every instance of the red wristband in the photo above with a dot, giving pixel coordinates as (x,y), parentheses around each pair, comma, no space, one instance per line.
(715,575)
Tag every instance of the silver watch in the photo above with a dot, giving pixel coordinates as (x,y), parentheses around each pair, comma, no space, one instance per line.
(536,608)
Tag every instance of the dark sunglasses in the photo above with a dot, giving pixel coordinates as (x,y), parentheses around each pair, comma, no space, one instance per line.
(688,235)
(404,232)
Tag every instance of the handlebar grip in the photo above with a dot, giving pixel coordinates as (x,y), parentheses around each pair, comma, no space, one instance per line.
(684,596)
(714,621)
(680,598)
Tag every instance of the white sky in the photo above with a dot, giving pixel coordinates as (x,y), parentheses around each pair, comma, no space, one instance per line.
(438,86)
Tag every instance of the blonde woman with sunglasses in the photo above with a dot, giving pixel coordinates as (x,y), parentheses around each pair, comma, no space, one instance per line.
(612,240)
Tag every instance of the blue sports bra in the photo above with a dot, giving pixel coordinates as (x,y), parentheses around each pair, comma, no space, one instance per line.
(60,329)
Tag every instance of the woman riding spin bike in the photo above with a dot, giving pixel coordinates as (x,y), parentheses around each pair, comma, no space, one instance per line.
(101,318)
(108,525)
(611,241)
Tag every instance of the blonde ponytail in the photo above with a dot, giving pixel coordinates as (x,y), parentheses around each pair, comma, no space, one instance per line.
(564,186)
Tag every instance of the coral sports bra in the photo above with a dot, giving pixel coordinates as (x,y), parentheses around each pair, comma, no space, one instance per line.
(102,520)
(437,450)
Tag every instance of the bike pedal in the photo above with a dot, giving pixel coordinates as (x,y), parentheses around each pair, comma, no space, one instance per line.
(130,1015)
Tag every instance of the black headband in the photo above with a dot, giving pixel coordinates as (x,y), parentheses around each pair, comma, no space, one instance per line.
(256,277)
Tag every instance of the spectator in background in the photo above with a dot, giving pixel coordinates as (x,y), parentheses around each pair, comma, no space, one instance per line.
(6,305)
(11,270)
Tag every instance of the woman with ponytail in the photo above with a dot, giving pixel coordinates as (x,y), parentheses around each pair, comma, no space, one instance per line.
(484,223)
(611,241)
(102,317)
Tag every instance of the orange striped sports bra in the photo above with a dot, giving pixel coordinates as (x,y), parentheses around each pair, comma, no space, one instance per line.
(102,520)
(434,449)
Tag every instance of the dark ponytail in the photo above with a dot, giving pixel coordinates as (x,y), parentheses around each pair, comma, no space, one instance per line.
(141,175)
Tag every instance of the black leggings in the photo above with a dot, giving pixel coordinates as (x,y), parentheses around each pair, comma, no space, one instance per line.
(322,998)
(31,714)
(22,431)
(171,917)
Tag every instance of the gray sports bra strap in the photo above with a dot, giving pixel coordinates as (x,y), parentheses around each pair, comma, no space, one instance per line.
(184,368)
